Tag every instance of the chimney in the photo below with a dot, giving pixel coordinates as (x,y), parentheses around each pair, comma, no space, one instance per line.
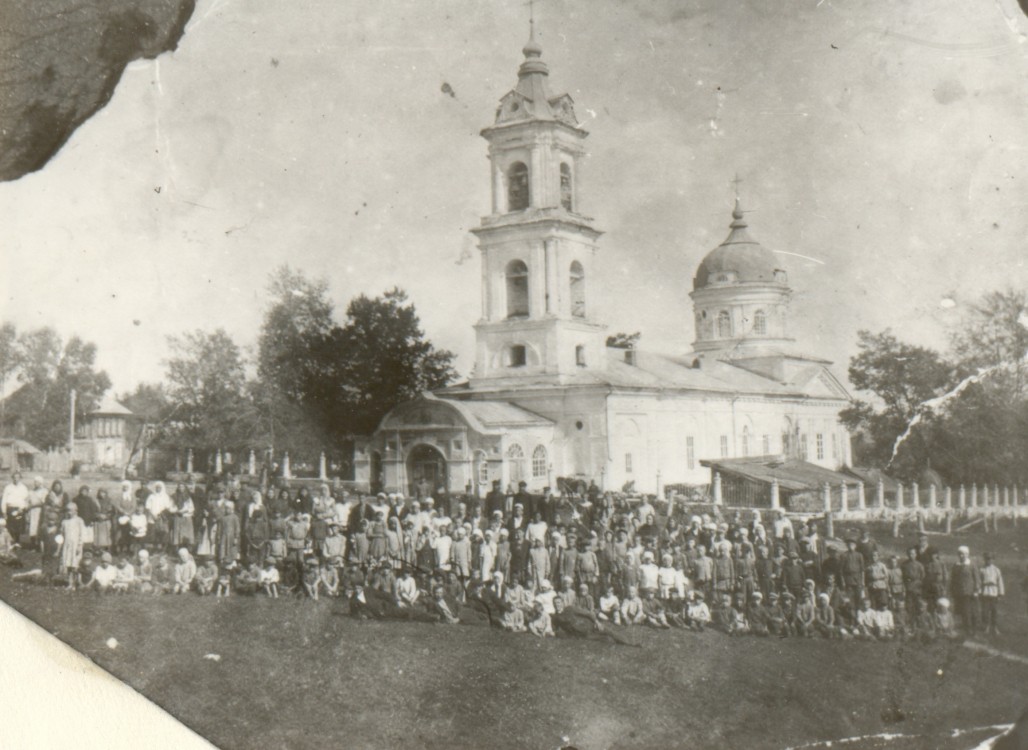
(630,357)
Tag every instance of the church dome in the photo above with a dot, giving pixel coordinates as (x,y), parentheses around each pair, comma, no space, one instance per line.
(738,260)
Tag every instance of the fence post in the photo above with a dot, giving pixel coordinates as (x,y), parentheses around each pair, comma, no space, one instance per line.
(829,525)
(974,495)
(880,494)
(322,467)
(899,496)
(286,472)
(776,500)
(861,500)
(932,497)
(189,461)
(217,463)
(947,499)
(985,496)
(826,497)
(915,495)
(251,464)
(844,503)
(961,499)
(717,488)
(895,524)
(949,522)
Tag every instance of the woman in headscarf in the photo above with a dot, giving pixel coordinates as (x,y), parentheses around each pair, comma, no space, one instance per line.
(158,510)
(394,542)
(103,520)
(257,529)
(36,499)
(124,505)
(182,511)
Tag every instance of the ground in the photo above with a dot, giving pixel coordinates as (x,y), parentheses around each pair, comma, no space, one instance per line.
(299,674)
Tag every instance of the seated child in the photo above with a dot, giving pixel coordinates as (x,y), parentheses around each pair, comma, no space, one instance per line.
(632,608)
(207,577)
(277,548)
(224,585)
(125,577)
(269,579)
(540,623)
(865,628)
(757,615)
(944,624)
(776,623)
(513,617)
(312,579)
(585,599)
(610,607)
(804,617)
(8,547)
(248,580)
(330,577)
(143,573)
(675,610)
(698,611)
(824,617)
(653,609)
(103,575)
(885,624)
(163,575)
(185,572)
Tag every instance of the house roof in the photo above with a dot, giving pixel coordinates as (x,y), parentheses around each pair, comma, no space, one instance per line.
(482,416)
(20,446)
(792,474)
(110,406)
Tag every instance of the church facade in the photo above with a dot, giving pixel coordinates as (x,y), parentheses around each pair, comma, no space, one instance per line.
(548,398)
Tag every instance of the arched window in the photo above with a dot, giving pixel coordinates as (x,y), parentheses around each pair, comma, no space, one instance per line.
(760,323)
(724,325)
(580,355)
(566,191)
(517,289)
(517,356)
(539,462)
(516,463)
(483,467)
(577,290)
(517,187)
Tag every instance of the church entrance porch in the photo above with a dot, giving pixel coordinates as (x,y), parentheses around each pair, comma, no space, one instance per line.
(426,470)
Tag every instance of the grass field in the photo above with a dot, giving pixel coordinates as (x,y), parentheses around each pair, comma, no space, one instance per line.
(301,674)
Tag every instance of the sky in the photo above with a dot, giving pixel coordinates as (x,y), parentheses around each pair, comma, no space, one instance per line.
(881,149)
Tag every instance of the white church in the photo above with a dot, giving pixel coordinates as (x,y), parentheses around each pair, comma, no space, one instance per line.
(548,398)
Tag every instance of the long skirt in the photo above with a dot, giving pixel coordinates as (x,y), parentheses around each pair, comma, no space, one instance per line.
(102,533)
(182,531)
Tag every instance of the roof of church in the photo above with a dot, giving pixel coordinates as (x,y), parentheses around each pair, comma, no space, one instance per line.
(739,254)
(792,473)
(500,414)
(531,99)
(663,372)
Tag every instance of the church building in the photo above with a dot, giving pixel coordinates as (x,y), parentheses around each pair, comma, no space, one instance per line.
(548,398)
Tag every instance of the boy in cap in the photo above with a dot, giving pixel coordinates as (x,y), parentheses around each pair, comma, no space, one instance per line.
(698,612)
(992,592)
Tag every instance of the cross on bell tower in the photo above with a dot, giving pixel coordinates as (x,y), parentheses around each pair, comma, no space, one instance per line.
(537,247)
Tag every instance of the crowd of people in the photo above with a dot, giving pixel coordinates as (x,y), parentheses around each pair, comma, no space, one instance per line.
(583,562)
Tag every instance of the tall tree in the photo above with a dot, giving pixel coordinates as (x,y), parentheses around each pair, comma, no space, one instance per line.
(377,359)
(49,371)
(207,393)
(901,377)
(9,360)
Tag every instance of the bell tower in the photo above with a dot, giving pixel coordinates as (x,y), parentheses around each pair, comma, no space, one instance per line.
(537,247)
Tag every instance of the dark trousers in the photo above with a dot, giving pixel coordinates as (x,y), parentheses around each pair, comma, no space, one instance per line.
(967,607)
(990,613)
(16,524)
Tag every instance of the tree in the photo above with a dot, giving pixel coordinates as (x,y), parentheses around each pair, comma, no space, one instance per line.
(901,378)
(995,335)
(9,361)
(377,359)
(289,362)
(624,340)
(49,371)
(207,393)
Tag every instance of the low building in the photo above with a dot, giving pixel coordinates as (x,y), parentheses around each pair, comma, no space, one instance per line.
(799,485)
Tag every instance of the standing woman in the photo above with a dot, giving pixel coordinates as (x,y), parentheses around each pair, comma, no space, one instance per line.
(73,531)
(303,502)
(36,499)
(228,535)
(377,547)
(124,505)
(87,511)
(158,510)
(182,513)
(102,523)
(258,531)
(394,542)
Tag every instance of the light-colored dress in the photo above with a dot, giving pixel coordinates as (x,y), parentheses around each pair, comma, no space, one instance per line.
(73,530)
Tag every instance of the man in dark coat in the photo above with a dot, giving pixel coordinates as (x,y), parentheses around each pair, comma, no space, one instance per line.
(965,585)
